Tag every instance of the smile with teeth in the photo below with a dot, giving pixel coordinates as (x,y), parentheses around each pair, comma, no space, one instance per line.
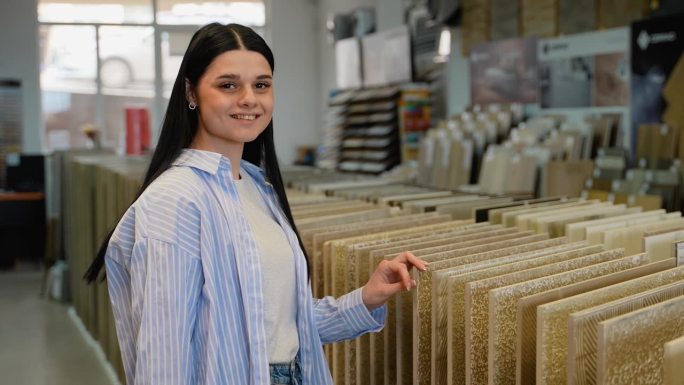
(244,116)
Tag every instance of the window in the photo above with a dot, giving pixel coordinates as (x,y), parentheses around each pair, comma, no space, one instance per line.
(99,58)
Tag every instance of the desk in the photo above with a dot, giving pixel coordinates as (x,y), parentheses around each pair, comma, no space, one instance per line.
(22,227)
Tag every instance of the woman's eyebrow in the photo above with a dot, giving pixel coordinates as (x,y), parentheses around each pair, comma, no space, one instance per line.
(237,77)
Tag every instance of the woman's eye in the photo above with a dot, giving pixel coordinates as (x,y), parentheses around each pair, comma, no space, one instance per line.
(230,86)
(262,85)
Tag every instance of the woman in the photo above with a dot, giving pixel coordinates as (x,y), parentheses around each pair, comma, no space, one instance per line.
(206,273)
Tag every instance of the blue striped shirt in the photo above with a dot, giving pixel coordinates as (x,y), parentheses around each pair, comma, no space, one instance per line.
(184,278)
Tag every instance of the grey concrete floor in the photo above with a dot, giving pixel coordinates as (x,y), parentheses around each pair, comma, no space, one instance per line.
(39,342)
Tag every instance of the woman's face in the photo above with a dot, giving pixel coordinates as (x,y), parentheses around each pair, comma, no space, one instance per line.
(234,100)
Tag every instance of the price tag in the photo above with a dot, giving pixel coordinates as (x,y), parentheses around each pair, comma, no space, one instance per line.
(679,253)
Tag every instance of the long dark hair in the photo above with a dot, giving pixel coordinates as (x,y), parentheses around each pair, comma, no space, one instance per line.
(180,123)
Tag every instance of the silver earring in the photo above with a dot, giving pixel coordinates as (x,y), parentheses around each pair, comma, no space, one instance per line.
(192,106)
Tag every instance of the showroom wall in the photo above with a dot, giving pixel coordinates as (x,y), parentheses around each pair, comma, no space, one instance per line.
(293,28)
(19,61)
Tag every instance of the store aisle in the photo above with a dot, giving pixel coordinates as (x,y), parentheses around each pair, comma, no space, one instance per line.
(39,342)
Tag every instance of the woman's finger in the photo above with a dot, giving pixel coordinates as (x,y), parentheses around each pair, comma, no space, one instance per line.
(410,260)
(400,269)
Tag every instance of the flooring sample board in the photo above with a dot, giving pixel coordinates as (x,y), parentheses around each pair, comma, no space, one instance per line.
(318,240)
(533,243)
(477,308)
(496,215)
(577,16)
(661,245)
(584,311)
(673,356)
(503,305)
(555,225)
(523,220)
(631,238)
(620,13)
(596,234)
(396,200)
(504,19)
(475,23)
(334,257)
(427,205)
(509,217)
(359,276)
(578,231)
(309,223)
(533,221)
(542,353)
(630,346)
(566,178)
(464,210)
(422,306)
(482,213)
(448,357)
(415,329)
(539,18)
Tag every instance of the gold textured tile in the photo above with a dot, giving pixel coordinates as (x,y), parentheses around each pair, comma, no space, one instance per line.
(630,346)
(449,354)
(548,365)
(337,254)
(383,344)
(415,310)
(477,308)
(369,366)
(587,310)
(503,305)
(673,356)
(419,305)
(319,239)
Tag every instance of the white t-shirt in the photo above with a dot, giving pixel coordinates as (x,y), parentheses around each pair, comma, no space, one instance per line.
(277,265)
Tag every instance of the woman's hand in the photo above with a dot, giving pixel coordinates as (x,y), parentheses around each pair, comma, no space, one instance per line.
(389,278)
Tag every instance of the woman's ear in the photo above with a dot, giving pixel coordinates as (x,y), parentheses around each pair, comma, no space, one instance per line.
(190,93)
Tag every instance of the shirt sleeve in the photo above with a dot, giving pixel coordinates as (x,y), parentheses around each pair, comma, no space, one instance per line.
(155,301)
(346,317)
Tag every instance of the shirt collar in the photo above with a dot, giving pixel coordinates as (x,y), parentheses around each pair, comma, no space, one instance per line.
(210,162)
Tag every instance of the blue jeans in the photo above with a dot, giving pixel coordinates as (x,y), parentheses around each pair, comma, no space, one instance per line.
(286,374)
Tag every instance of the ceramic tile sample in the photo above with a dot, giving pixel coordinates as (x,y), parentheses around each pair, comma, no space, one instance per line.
(421,304)
(595,233)
(578,16)
(587,310)
(482,260)
(545,359)
(451,366)
(539,18)
(631,237)
(504,19)
(578,231)
(503,306)
(631,346)
(673,356)
(660,245)
(496,215)
(358,276)
(620,13)
(509,217)
(477,308)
